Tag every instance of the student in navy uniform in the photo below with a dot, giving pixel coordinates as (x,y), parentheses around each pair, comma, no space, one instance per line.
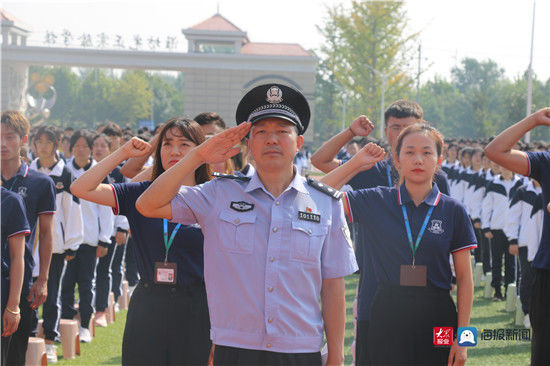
(67,234)
(167,321)
(38,193)
(398,116)
(106,269)
(275,243)
(14,230)
(494,210)
(537,166)
(412,229)
(98,226)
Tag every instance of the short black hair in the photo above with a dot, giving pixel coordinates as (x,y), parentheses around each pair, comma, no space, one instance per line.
(87,135)
(50,132)
(112,129)
(403,109)
(207,118)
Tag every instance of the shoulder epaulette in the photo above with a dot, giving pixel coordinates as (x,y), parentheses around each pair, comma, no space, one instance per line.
(334,193)
(230,176)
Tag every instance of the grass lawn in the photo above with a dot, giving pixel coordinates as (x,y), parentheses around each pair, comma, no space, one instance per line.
(106,347)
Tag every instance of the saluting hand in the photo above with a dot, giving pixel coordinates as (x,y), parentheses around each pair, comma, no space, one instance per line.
(362,126)
(136,147)
(221,147)
(368,156)
(542,117)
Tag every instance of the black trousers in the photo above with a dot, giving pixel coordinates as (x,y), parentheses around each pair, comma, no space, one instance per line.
(499,249)
(117,271)
(131,264)
(361,342)
(81,270)
(485,246)
(540,318)
(525,280)
(167,325)
(16,347)
(229,356)
(50,309)
(401,325)
(103,278)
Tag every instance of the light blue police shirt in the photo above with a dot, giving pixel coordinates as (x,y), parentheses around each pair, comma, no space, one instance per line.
(264,263)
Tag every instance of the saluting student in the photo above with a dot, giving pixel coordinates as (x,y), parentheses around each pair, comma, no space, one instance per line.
(167,321)
(537,166)
(495,208)
(98,225)
(412,229)
(275,243)
(68,228)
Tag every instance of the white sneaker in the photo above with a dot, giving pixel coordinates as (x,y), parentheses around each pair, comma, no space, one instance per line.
(117,307)
(51,353)
(84,334)
(527,321)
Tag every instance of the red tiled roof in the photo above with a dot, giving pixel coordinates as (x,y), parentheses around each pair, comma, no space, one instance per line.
(216,23)
(274,49)
(5,16)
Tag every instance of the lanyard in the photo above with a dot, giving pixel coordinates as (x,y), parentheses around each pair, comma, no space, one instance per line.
(388,170)
(414,246)
(168,242)
(14,182)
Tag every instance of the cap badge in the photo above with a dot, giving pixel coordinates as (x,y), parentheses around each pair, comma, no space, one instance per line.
(274,95)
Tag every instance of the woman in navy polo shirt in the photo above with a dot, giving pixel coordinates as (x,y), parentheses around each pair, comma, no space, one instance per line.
(410,231)
(167,321)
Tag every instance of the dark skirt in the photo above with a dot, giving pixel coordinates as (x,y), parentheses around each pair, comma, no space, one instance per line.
(403,318)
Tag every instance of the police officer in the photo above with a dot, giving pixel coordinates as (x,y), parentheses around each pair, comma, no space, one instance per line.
(274,243)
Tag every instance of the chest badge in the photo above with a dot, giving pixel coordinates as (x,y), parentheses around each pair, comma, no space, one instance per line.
(59,185)
(308,215)
(436,227)
(241,206)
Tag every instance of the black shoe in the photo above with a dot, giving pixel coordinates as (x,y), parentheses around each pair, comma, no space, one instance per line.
(498,296)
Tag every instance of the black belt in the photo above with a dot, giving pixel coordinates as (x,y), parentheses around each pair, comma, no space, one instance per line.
(177,288)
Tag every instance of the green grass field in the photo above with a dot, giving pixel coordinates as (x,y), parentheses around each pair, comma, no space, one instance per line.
(106,347)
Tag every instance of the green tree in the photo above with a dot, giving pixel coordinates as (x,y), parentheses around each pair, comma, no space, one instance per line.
(93,100)
(369,33)
(132,97)
(168,101)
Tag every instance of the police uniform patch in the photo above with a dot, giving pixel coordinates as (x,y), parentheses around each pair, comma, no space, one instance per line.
(347,235)
(309,216)
(241,206)
(334,193)
(230,176)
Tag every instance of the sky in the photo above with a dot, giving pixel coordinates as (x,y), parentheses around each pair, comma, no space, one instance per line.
(449,30)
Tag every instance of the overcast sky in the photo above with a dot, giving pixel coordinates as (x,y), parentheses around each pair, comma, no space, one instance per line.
(450,30)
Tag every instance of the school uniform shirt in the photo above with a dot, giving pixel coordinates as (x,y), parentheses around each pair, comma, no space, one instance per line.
(266,257)
(148,238)
(379,212)
(38,193)
(457,186)
(120,222)
(14,222)
(476,192)
(524,219)
(496,204)
(68,227)
(539,168)
(98,219)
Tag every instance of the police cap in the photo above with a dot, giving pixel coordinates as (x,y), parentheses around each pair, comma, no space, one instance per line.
(274,100)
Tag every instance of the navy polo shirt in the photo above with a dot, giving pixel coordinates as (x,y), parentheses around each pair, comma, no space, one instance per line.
(386,243)
(14,222)
(539,169)
(148,233)
(38,193)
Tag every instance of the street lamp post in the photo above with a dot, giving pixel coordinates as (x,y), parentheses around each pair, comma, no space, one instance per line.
(384,77)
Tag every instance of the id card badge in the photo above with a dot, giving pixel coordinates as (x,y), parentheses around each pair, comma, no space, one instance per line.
(413,275)
(165,273)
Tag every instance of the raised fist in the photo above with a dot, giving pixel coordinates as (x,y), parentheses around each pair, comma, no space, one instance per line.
(369,155)
(136,147)
(362,126)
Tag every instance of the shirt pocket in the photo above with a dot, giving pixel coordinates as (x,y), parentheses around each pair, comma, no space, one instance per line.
(307,241)
(237,231)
